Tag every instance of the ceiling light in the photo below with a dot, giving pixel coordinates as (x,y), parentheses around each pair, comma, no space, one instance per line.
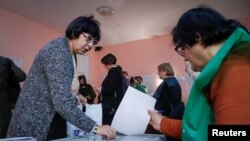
(105,11)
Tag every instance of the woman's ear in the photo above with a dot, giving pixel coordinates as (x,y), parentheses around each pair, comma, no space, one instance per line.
(198,38)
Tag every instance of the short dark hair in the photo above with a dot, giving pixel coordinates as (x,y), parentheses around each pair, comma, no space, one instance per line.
(138,77)
(109,59)
(125,73)
(205,24)
(80,77)
(84,24)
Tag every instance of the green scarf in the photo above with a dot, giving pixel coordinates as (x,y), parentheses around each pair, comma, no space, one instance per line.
(198,114)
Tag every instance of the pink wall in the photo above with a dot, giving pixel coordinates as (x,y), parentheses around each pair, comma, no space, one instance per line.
(22,38)
(245,22)
(142,58)
(93,70)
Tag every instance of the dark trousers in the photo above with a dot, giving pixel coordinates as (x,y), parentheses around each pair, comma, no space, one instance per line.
(4,123)
(58,128)
(107,119)
(108,114)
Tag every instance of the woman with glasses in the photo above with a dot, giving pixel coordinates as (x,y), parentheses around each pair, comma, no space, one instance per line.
(51,83)
(220,49)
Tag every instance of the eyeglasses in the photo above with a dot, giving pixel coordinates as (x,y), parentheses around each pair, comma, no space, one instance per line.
(89,38)
(180,50)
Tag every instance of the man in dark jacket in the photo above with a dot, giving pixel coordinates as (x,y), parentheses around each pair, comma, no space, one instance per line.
(10,76)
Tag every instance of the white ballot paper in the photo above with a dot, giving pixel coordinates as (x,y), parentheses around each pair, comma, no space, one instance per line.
(131,117)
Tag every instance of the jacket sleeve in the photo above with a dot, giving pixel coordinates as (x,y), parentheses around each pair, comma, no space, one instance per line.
(58,66)
(230,92)
(171,127)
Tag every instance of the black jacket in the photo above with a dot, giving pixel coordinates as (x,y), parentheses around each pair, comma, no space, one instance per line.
(87,90)
(10,76)
(169,96)
(112,89)
(111,94)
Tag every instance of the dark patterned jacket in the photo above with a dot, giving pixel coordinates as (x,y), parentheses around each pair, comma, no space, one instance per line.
(47,90)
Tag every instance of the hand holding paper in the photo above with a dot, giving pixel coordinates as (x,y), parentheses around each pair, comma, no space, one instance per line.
(132,116)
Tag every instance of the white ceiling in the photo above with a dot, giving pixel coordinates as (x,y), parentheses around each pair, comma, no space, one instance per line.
(133,19)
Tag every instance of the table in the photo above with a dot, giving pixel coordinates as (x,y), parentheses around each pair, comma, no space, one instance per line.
(119,137)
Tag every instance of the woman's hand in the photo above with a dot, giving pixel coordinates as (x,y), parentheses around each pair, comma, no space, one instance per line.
(106,130)
(155,120)
(88,97)
(81,100)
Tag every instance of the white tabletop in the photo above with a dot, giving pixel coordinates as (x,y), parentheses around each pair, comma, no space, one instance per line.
(144,137)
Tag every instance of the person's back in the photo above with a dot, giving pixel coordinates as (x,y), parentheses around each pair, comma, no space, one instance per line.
(5,106)
(10,76)
(112,90)
(169,95)
(111,94)
(170,103)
